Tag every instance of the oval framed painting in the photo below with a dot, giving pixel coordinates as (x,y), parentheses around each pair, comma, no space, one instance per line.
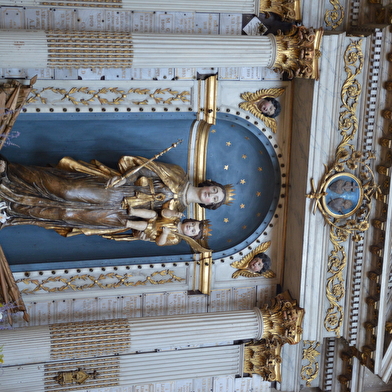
(343,195)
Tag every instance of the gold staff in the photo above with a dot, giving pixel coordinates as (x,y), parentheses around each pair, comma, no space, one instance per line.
(135,170)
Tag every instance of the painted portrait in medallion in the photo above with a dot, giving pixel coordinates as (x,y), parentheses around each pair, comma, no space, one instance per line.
(343,195)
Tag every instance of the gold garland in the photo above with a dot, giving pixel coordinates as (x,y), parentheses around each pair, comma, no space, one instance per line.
(71,283)
(346,158)
(86,96)
(310,371)
(334,18)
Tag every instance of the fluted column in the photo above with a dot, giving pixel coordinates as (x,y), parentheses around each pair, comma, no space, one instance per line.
(125,370)
(216,6)
(194,329)
(124,336)
(59,49)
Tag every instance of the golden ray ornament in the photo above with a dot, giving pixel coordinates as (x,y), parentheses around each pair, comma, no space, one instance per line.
(252,99)
(242,265)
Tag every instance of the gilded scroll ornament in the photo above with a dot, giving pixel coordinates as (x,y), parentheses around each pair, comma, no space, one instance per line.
(109,96)
(298,51)
(248,267)
(310,371)
(334,18)
(110,280)
(252,103)
(344,199)
(288,10)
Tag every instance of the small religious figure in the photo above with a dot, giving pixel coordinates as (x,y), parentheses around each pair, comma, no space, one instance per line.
(342,186)
(77,197)
(254,264)
(264,105)
(164,228)
(339,204)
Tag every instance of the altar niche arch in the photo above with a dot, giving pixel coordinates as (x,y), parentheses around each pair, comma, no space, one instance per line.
(237,152)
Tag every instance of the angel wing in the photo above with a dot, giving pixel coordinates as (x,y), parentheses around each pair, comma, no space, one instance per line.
(253,109)
(250,104)
(243,263)
(263,93)
(249,274)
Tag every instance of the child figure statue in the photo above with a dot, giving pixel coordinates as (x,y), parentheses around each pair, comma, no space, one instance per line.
(164,228)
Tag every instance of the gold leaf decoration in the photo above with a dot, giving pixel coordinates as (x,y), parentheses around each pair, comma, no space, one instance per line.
(110,280)
(242,265)
(347,159)
(251,100)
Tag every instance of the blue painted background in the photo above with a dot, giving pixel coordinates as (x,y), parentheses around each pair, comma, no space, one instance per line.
(238,153)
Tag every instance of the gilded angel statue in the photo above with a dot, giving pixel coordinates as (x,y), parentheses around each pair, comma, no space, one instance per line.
(254,264)
(264,105)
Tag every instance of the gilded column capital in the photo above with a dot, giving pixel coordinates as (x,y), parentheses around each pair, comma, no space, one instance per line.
(289,10)
(282,321)
(298,51)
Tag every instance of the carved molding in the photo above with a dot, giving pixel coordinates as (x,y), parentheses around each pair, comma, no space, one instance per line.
(347,160)
(110,280)
(86,96)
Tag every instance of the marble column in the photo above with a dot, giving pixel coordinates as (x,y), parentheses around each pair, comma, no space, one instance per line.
(60,49)
(216,6)
(124,371)
(88,339)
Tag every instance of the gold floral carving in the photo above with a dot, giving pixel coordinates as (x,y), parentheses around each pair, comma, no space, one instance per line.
(242,265)
(264,358)
(310,371)
(334,18)
(282,323)
(346,159)
(283,320)
(298,51)
(109,96)
(288,10)
(251,100)
(61,283)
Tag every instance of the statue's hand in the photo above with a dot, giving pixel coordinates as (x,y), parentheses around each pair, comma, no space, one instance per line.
(143,236)
(165,230)
(113,181)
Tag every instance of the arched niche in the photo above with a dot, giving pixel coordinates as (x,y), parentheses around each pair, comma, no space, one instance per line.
(237,152)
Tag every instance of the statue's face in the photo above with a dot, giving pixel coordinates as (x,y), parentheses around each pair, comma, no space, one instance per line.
(191,229)
(210,194)
(256,265)
(266,107)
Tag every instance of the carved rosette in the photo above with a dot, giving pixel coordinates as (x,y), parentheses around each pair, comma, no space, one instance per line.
(298,51)
(289,10)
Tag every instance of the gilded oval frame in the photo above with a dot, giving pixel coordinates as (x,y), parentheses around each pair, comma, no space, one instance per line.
(334,198)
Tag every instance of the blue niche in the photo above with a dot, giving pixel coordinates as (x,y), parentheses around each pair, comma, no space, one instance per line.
(46,138)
